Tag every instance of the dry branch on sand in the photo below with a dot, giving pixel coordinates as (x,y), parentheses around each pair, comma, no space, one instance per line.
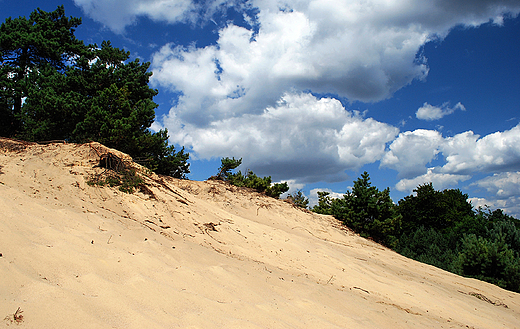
(16,317)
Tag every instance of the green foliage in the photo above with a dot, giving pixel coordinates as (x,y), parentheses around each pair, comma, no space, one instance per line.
(482,244)
(157,155)
(490,260)
(429,246)
(369,210)
(508,231)
(227,164)
(366,210)
(56,87)
(250,179)
(130,181)
(299,199)
(324,205)
(7,118)
(26,45)
(433,209)
(277,189)
(127,179)
(260,184)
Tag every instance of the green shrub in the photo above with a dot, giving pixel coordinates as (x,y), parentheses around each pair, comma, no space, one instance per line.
(227,164)
(299,199)
(250,179)
(116,173)
(490,261)
(277,189)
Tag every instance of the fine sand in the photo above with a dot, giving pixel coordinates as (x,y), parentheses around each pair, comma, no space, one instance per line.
(186,254)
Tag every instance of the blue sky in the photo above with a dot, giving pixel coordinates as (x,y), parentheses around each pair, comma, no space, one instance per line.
(315,92)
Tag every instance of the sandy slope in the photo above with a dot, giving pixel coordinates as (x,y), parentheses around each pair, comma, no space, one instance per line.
(203,255)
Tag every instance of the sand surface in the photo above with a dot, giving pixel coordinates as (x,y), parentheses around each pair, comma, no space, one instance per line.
(187,254)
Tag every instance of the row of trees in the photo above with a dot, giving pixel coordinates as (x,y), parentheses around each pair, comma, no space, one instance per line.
(439,228)
(54,87)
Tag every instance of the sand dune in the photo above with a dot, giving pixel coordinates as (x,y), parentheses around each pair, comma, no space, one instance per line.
(187,254)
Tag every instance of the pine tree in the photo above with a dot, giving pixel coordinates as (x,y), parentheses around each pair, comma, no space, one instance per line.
(45,41)
(53,86)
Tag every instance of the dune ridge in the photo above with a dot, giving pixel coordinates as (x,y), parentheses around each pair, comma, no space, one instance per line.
(187,254)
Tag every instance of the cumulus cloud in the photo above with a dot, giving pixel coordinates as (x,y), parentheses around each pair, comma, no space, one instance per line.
(440,181)
(503,185)
(463,154)
(510,206)
(362,50)
(411,151)
(118,14)
(466,152)
(438,15)
(249,94)
(480,203)
(302,137)
(292,50)
(313,195)
(294,186)
(429,112)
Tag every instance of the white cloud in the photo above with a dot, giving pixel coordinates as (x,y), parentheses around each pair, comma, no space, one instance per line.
(360,50)
(503,185)
(244,96)
(411,151)
(466,152)
(293,51)
(313,195)
(118,14)
(510,206)
(302,137)
(440,181)
(480,203)
(436,15)
(429,112)
(363,50)
(294,186)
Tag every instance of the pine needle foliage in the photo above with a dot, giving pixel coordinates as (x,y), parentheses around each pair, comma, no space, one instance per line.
(249,179)
(54,87)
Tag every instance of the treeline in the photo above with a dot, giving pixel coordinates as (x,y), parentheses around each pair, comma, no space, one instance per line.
(54,87)
(439,228)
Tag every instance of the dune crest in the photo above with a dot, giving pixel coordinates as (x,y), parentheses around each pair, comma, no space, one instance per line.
(186,254)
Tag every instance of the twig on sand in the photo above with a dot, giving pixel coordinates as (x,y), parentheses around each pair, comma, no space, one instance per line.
(484,298)
(361,289)
(17,317)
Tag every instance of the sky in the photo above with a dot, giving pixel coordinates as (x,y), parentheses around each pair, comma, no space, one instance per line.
(315,92)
